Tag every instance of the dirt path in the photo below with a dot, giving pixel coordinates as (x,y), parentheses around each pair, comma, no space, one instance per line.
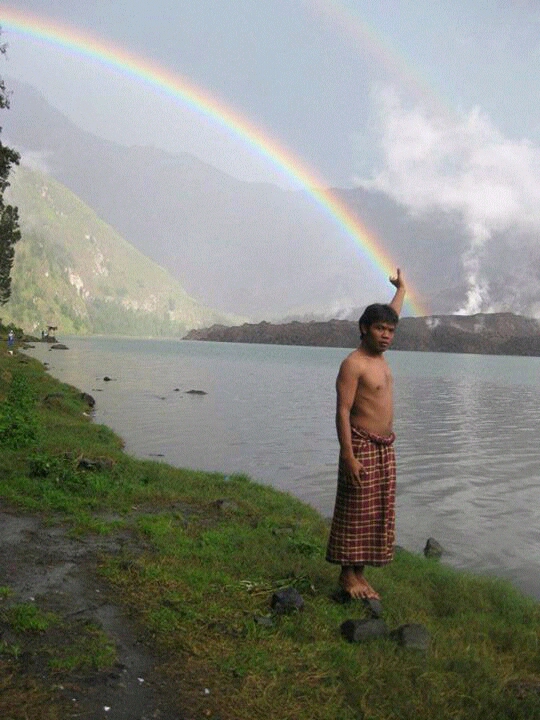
(45,567)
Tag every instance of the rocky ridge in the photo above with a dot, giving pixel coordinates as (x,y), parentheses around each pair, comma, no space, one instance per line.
(484,333)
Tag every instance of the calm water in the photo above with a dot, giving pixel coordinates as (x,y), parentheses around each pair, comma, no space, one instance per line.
(467,432)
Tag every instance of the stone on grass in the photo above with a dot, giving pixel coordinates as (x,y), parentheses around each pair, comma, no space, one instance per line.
(88,399)
(433,549)
(374,605)
(412,635)
(356,631)
(286,600)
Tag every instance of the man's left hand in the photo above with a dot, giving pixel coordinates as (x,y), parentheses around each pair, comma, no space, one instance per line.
(397,281)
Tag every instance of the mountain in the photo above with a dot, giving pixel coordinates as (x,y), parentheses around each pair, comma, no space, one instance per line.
(248,248)
(73,271)
(484,333)
(263,252)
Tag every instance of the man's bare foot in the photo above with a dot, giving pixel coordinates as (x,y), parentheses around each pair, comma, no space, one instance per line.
(356,585)
(371,592)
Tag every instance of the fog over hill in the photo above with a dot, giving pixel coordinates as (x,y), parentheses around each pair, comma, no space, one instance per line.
(257,250)
(73,271)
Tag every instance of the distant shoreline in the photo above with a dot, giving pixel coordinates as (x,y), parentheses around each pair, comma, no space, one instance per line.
(484,333)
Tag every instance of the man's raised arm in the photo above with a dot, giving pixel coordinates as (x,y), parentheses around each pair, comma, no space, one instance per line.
(399,284)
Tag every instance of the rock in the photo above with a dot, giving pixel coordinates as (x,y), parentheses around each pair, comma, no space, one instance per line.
(433,549)
(88,399)
(413,636)
(107,379)
(286,600)
(356,631)
(374,606)
(58,346)
(196,392)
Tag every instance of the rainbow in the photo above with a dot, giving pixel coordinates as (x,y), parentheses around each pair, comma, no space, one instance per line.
(364,38)
(177,87)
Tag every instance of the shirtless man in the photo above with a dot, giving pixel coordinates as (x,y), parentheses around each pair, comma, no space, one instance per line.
(362,531)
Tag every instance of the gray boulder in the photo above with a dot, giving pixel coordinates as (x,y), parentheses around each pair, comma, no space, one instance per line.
(356,631)
(433,549)
(412,635)
(286,600)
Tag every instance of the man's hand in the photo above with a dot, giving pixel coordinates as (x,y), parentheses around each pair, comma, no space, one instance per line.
(397,281)
(354,469)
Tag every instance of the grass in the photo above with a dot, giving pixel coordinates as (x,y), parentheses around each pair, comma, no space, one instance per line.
(215,549)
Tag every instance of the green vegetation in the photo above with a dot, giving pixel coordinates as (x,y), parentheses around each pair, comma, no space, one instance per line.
(211,551)
(9,214)
(73,271)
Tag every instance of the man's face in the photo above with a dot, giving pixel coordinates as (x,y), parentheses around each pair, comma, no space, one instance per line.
(377,337)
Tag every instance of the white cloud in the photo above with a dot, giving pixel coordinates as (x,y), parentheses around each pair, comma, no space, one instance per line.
(460,164)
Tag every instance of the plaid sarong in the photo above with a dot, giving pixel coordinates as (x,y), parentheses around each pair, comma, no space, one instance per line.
(363,526)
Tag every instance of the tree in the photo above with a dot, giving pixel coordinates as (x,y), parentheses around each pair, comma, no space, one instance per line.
(9,215)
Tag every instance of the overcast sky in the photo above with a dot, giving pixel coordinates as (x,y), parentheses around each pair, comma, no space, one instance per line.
(307,72)
(434,103)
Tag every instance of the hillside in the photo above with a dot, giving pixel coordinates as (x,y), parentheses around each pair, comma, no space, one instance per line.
(494,334)
(73,271)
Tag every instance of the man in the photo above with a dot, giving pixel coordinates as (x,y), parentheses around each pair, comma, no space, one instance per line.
(363,526)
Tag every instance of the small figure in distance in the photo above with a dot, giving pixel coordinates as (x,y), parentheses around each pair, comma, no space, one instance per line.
(363,525)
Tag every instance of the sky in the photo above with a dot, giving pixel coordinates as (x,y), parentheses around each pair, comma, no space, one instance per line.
(307,72)
(435,104)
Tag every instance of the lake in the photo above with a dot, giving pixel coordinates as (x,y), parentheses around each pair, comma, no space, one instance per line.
(467,431)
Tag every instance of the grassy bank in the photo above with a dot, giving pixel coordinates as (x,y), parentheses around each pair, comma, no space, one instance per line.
(211,551)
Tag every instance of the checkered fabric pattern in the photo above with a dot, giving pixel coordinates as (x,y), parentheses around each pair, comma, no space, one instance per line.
(363,526)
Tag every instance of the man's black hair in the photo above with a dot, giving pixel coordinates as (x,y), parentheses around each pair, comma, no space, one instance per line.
(378,313)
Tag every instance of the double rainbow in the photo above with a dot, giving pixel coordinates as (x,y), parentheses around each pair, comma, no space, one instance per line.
(161,79)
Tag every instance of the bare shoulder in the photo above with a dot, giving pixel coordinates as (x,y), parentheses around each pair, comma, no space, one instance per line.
(354,364)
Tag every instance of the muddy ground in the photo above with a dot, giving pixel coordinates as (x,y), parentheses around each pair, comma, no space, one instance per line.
(42,564)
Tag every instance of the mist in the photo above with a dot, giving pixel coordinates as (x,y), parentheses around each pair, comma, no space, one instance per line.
(464,164)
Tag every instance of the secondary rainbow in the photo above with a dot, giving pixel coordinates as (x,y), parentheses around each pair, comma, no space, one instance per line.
(173,84)
(399,69)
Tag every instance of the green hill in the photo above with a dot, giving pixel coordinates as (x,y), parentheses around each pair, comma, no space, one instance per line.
(73,271)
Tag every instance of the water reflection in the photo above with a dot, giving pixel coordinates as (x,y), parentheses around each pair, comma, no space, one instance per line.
(470,467)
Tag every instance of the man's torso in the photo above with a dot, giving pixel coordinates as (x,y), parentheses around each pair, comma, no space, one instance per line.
(372,409)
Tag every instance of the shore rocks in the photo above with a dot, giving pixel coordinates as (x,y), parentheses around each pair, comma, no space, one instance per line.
(88,399)
(286,600)
(433,549)
(412,635)
(357,631)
